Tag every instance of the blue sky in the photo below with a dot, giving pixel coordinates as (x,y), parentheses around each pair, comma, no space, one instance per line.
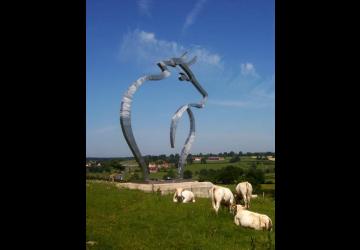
(235,45)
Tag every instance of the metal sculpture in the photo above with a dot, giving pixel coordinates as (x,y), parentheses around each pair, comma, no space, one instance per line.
(125,111)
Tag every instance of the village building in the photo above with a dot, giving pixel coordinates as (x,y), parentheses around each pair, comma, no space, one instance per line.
(163,165)
(153,168)
(197,159)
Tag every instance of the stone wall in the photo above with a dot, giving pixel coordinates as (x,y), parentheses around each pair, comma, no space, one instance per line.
(200,189)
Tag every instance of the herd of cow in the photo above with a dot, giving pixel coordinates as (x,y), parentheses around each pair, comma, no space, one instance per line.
(224,196)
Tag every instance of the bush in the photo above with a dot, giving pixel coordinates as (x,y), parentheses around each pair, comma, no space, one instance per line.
(97,176)
(255,176)
(134,177)
(269,182)
(171,173)
(187,174)
(228,175)
(235,159)
(208,175)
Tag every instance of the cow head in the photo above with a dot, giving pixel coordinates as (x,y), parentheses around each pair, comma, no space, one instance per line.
(178,194)
(233,209)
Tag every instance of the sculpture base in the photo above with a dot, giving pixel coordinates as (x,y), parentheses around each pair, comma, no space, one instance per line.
(200,189)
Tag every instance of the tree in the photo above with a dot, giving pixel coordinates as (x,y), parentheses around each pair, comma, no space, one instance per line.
(203,161)
(236,158)
(163,157)
(135,177)
(116,165)
(190,160)
(240,153)
(232,153)
(255,177)
(203,174)
(229,174)
(207,175)
(171,158)
(187,174)
(171,173)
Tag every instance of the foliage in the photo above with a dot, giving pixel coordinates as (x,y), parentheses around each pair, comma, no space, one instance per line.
(190,160)
(203,161)
(255,177)
(228,175)
(135,177)
(171,173)
(234,159)
(187,174)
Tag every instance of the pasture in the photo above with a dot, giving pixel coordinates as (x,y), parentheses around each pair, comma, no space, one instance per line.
(244,163)
(132,219)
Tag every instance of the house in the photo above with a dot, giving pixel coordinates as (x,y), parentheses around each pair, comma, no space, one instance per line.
(197,159)
(271,158)
(153,168)
(163,165)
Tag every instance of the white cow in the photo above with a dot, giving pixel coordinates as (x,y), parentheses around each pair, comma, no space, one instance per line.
(221,195)
(183,196)
(244,191)
(250,219)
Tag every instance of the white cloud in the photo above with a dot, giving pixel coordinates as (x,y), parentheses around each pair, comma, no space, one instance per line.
(145,47)
(191,17)
(144,6)
(248,69)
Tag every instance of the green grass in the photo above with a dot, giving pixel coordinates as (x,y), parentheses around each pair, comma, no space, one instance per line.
(132,219)
(268,186)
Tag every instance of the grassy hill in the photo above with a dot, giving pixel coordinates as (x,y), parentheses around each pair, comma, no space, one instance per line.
(132,219)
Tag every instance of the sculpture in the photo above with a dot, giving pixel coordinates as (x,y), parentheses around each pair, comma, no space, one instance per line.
(125,110)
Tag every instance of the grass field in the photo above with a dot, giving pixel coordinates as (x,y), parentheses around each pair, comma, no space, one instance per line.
(132,219)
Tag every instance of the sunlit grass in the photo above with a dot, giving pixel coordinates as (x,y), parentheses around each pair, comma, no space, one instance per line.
(132,219)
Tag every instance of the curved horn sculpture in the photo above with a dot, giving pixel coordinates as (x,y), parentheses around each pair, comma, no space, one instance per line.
(125,110)
(188,76)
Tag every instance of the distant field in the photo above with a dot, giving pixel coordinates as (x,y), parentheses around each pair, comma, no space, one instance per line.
(245,163)
(131,219)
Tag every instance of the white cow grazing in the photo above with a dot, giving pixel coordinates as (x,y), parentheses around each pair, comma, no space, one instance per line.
(244,191)
(250,219)
(183,196)
(221,195)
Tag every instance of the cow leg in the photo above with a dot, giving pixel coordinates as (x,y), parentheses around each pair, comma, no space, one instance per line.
(214,205)
(217,207)
(236,221)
